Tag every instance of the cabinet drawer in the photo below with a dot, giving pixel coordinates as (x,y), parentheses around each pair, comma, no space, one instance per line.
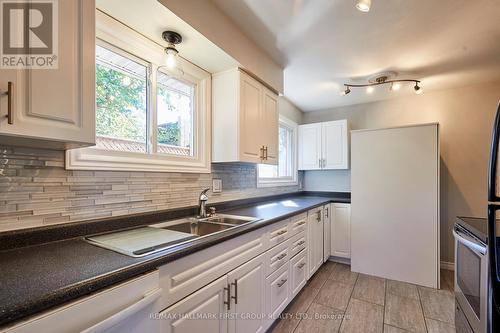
(277,257)
(298,272)
(278,291)
(298,223)
(122,308)
(188,274)
(297,243)
(278,232)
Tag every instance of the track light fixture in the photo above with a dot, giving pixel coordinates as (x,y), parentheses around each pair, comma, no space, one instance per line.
(395,85)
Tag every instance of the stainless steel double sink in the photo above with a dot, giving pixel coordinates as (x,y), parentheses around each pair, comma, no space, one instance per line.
(158,237)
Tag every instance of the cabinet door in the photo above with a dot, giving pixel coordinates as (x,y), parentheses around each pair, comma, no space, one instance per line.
(326,232)
(278,292)
(309,146)
(58,104)
(251,139)
(340,230)
(202,311)
(247,297)
(335,145)
(298,272)
(270,123)
(315,240)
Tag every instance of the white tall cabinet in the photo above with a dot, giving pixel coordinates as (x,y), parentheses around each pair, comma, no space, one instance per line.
(324,146)
(395,203)
(245,119)
(55,108)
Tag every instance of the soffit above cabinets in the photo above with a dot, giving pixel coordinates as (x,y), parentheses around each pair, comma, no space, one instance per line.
(151,18)
(323,44)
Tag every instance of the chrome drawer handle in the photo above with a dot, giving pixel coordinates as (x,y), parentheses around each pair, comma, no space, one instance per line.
(301,265)
(301,242)
(301,223)
(281,283)
(281,256)
(281,232)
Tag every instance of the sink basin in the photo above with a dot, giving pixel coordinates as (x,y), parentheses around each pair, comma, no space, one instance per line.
(199,228)
(230,219)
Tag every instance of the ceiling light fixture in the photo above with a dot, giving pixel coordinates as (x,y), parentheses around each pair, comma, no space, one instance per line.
(395,85)
(172,38)
(364,5)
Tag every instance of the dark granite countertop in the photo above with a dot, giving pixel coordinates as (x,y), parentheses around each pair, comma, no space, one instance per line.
(37,277)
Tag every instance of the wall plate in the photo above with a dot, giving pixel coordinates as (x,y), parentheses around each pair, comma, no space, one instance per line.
(216,185)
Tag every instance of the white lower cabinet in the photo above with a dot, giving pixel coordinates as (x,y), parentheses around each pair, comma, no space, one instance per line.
(204,311)
(326,232)
(340,236)
(247,299)
(298,272)
(277,292)
(315,239)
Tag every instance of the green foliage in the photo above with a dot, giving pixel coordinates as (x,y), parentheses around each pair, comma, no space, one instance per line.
(169,134)
(121,105)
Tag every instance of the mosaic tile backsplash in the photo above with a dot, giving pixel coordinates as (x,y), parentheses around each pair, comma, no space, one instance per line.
(36,190)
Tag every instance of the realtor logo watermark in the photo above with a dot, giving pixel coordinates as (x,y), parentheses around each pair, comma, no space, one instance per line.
(28,34)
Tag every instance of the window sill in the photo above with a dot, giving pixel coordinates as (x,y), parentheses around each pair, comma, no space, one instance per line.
(276,182)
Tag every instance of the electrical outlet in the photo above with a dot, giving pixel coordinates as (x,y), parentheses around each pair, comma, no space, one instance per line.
(216,185)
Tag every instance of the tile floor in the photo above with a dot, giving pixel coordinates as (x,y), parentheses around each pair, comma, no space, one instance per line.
(338,300)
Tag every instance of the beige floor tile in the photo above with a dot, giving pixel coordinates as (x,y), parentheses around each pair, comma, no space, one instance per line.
(319,278)
(334,294)
(436,326)
(438,304)
(320,318)
(342,273)
(285,325)
(363,317)
(404,312)
(392,329)
(329,265)
(369,288)
(402,289)
(303,300)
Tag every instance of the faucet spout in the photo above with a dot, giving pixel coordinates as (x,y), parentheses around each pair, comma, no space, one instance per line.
(202,212)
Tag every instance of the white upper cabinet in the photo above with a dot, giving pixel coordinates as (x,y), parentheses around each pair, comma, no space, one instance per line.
(245,119)
(55,108)
(324,146)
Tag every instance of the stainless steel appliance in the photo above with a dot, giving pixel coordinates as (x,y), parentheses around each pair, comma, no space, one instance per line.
(472,288)
(493,220)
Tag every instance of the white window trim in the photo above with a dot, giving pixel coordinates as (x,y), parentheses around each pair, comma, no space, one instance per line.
(294,180)
(122,37)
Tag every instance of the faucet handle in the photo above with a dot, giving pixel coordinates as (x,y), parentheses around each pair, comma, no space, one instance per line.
(212,211)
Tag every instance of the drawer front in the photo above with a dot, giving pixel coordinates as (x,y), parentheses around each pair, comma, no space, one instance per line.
(278,232)
(298,224)
(298,272)
(278,291)
(188,274)
(277,257)
(297,243)
(117,309)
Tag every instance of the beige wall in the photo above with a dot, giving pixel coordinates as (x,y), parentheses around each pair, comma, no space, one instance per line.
(466,118)
(210,21)
(289,110)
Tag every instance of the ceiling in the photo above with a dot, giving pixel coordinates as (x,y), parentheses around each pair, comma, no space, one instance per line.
(151,18)
(324,43)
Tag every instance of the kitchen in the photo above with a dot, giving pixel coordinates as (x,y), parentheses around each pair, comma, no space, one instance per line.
(260,166)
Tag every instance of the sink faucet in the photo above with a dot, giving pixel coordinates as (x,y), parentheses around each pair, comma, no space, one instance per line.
(202,212)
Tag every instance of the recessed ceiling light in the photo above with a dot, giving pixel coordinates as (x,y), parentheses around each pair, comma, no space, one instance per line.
(370,89)
(364,5)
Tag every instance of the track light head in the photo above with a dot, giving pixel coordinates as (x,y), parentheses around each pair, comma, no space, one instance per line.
(417,88)
(346,91)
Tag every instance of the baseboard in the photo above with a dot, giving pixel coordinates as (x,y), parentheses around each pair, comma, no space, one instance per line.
(340,260)
(450,266)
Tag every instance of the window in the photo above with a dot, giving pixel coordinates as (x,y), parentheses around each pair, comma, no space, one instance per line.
(121,110)
(175,116)
(147,118)
(285,173)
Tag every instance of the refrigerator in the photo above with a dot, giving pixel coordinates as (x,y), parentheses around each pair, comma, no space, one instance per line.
(395,203)
(493,221)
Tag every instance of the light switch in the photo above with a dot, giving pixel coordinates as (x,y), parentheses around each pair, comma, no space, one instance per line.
(216,185)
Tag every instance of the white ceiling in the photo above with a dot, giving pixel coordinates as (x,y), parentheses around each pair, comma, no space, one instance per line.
(151,18)
(325,43)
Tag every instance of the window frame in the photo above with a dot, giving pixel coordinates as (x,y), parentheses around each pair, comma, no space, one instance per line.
(125,41)
(284,181)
